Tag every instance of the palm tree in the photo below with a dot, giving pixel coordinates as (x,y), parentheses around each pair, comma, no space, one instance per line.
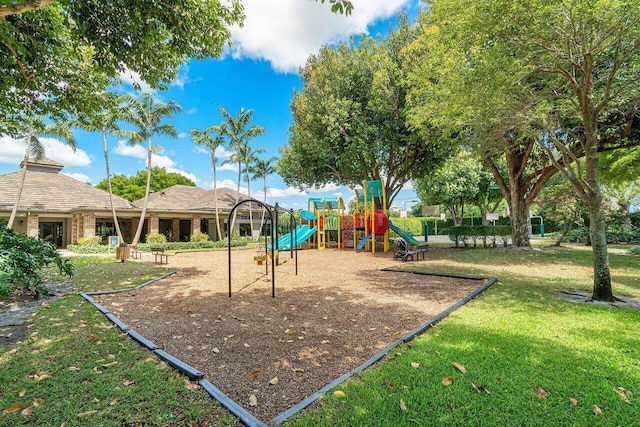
(261,169)
(212,142)
(106,121)
(147,115)
(249,157)
(34,127)
(236,129)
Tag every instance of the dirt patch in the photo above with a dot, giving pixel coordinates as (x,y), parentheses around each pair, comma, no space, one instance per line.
(339,311)
(575,295)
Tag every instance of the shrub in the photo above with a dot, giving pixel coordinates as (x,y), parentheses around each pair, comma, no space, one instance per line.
(465,233)
(21,259)
(634,250)
(176,246)
(90,241)
(89,249)
(156,238)
(199,237)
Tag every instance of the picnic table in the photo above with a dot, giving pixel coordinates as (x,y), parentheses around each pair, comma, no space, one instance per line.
(160,256)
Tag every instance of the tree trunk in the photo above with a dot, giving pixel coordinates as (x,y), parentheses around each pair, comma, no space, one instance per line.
(14,210)
(215,191)
(602,290)
(250,204)
(113,209)
(565,230)
(519,220)
(146,197)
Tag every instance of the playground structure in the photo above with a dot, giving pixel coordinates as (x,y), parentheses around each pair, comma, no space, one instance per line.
(325,223)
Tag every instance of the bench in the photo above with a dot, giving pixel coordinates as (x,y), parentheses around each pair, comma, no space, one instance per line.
(135,253)
(160,256)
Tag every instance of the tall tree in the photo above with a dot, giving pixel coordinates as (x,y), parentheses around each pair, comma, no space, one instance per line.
(132,187)
(239,132)
(349,121)
(147,116)
(454,185)
(572,69)
(262,169)
(105,121)
(212,143)
(34,127)
(249,157)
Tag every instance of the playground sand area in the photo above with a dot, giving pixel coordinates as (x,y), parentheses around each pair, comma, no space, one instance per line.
(338,312)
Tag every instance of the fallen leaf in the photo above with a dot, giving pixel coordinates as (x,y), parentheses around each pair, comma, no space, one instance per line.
(92,338)
(73,368)
(415,365)
(215,350)
(37,402)
(192,424)
(28,410)
(597,410)
(403,405)
(447,381)
(108,365)
(14,408)
(190,385)
(297,370)
(42,377)
(253,400)
(460,367)
(541,393)
(274,381)
(114,401)
(623,393)
(339,394)
(86,414)
(22,393)
(254,373)
(573,401)
(127,383)
(480,389)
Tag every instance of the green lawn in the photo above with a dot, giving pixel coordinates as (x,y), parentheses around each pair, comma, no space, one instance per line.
(525,352)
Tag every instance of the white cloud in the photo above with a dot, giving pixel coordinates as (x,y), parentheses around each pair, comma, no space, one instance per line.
(326,189)
(133,78)
(12,152)
(229,183)
(191,176)
(78,176)
(137,151)
(183,135)
(191,110)
(286,32)
(280,193)
(232,167)
(182,78)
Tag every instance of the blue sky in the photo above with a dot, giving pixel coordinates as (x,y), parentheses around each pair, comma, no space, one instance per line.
(259,72)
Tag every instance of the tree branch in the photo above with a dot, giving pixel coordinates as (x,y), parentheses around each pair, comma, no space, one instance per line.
(27,6)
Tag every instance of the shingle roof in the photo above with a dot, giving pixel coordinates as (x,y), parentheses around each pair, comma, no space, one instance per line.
(54,192)
(186,198)
(175,198)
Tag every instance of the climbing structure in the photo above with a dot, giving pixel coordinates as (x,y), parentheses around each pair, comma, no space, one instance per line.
(372,202)
(329,213)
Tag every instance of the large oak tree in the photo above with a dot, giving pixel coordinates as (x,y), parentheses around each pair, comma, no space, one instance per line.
(350,119)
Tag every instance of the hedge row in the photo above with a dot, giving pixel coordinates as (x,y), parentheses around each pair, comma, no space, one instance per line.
(176,246)
(89,249)
(487,234)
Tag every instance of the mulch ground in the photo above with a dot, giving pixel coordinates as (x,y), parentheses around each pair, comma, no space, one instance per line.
(339,311)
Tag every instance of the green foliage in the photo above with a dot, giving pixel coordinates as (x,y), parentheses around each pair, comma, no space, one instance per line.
(21,259)
(634,250)
(90,241)
(132,188)
(88,249)
(177,246)
(156,238)
(350,119)
(199,237)
(455,184)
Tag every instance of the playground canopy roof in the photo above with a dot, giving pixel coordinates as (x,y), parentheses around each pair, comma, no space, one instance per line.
(327,203)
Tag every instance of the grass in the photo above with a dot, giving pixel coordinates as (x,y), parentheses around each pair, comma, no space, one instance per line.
(526,351)
(77,368)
